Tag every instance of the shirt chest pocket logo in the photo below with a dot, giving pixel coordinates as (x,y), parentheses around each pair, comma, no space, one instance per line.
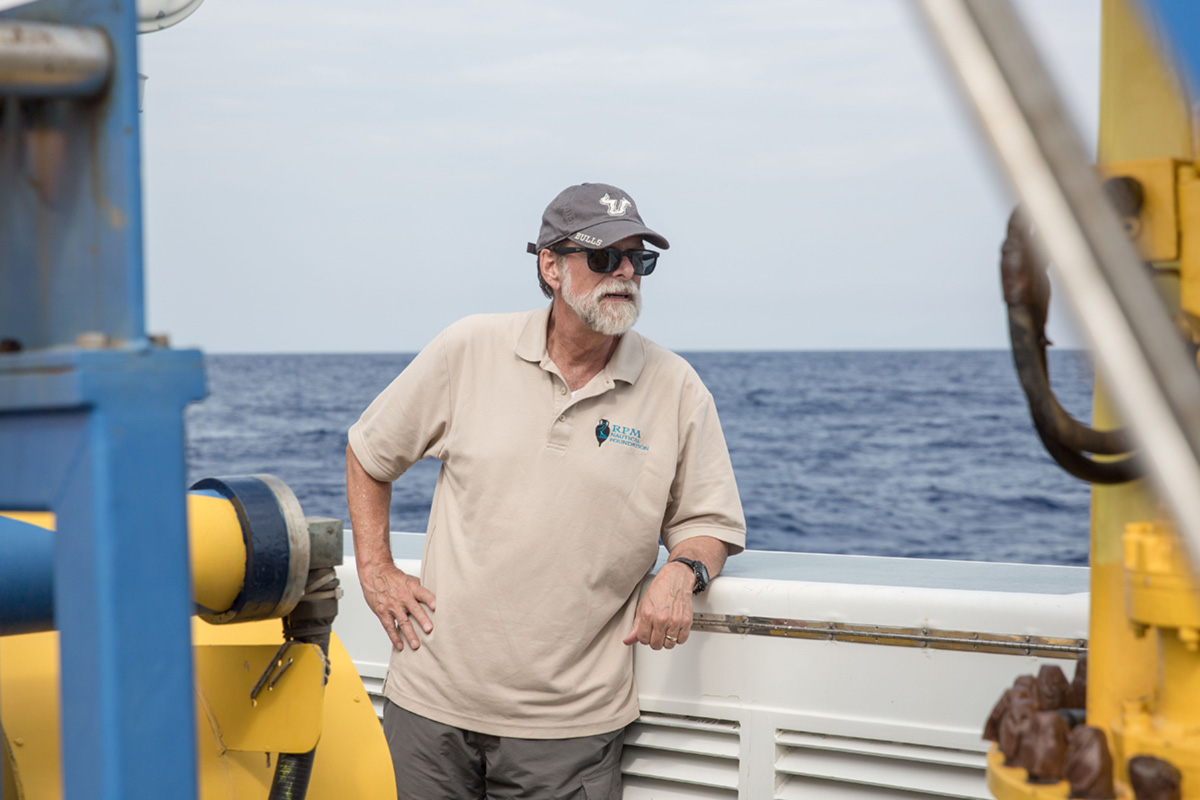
(619,434)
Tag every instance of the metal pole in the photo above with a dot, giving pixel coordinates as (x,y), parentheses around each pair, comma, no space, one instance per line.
(91,412)
(1154,382)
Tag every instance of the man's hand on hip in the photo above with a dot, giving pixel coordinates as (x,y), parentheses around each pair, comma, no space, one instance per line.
(664,614)
(395,598)
(398,599)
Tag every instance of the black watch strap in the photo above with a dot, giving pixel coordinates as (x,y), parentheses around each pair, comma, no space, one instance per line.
(699,570)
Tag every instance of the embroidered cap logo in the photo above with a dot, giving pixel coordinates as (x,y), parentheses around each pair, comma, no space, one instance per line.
(616,208)
(602,430)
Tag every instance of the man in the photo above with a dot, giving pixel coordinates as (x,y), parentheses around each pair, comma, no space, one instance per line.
(569,445)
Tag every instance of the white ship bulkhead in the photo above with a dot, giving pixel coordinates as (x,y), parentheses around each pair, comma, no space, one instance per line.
(821,676)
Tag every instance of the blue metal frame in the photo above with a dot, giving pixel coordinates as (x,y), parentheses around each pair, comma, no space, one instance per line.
(26,579)
(96,435)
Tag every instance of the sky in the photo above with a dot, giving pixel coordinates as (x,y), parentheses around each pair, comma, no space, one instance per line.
(353,177)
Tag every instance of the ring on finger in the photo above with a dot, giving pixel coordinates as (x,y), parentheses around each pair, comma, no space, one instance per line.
(672,639)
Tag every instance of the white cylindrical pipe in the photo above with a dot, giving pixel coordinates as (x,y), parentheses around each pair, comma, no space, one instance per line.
(43,60)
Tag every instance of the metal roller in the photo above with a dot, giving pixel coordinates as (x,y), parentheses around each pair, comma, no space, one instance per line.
(250,547)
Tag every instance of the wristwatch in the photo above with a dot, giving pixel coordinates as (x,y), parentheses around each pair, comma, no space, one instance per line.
(699,570)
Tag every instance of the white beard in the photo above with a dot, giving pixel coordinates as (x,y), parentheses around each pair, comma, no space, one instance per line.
(611,318)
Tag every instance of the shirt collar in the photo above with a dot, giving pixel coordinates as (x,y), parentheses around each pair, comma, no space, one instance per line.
(531,345)
(625,365)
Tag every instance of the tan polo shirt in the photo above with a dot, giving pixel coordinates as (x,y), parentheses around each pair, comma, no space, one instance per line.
(546,518)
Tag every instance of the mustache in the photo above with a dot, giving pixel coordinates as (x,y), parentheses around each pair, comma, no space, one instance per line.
(616,286)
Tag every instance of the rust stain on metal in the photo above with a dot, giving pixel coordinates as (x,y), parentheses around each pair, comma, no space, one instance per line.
(23,34)
(46,150)
(117,218)
(972,641)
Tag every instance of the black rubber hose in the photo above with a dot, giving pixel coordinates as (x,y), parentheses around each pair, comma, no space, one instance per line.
(1027,294)
(311,622)
(1087,469)
(292,773)
(1029,358)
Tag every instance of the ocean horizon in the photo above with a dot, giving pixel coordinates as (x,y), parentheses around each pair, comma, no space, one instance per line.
(910,453)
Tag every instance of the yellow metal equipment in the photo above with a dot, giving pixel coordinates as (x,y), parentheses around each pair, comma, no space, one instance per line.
(1163,598)
(1144,644)
(219,556)
(238,740)
(253,701)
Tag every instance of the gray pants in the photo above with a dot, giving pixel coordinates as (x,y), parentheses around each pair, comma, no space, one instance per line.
(439,762)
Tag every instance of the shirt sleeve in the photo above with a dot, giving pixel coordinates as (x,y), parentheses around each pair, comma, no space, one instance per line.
(409,420)
(704,496)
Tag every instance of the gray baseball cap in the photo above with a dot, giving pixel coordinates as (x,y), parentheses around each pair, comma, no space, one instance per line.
(595,215)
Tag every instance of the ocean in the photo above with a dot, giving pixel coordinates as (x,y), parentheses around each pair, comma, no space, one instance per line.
(915,454)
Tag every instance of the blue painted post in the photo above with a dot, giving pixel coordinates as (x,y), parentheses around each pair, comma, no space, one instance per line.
(26,580)
(91,420)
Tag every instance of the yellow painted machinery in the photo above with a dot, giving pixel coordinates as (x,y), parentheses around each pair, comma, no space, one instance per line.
(1142,734)
(280,709)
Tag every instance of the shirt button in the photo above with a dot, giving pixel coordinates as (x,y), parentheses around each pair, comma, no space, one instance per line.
(562,390)
(562,417)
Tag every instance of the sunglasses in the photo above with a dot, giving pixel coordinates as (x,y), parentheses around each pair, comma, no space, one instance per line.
(608,259)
